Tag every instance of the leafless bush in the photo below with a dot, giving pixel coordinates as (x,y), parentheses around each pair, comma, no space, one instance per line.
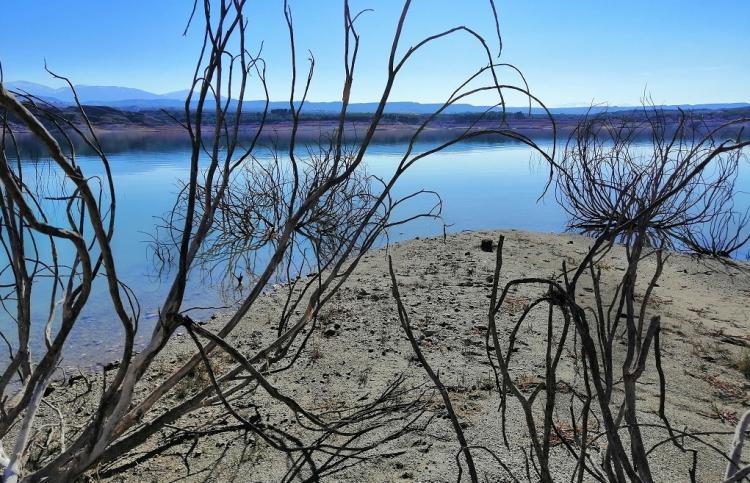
(683,172)
(270,219)
(663,196)
(611,341)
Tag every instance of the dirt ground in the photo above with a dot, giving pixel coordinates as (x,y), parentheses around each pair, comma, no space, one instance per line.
(360,348)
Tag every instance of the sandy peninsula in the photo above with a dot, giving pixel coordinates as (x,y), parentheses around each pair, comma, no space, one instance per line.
(360,348)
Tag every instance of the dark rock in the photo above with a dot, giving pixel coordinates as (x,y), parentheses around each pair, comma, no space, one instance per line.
(73,379)
(468,341)
(486,245)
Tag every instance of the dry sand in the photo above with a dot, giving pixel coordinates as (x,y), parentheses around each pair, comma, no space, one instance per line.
(360,347)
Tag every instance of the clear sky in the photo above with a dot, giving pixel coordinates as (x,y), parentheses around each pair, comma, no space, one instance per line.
(572,52)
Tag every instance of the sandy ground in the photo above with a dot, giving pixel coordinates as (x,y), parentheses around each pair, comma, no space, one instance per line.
(360,347)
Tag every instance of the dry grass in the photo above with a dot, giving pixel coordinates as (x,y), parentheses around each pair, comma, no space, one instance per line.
(517,303)
(198,378)
(195,380)
(316,353)
(728,416)
(527,382)
(602,265)
(724,389)
(743,364)
(563,433)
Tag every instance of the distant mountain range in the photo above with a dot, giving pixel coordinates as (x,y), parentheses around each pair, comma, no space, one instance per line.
(128,98)
(104,95)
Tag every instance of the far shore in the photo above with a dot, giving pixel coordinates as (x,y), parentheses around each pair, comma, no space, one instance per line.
(125,130)
(127,137)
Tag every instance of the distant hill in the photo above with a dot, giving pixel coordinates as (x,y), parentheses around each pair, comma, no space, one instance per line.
(127,98)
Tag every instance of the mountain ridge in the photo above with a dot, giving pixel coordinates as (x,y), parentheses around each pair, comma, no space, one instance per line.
(129,98)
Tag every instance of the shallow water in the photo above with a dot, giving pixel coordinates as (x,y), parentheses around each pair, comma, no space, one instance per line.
(482,185)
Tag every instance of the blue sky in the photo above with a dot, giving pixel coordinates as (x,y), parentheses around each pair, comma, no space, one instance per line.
(572,52)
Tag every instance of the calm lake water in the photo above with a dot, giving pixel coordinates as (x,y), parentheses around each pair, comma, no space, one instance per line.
(483,186)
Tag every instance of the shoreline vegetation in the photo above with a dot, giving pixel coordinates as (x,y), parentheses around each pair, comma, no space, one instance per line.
(123,130)
(445,283)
